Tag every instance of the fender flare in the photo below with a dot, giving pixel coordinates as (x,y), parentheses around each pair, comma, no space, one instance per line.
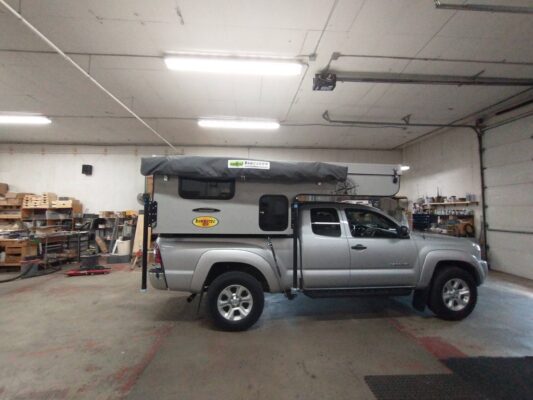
(435,256)
(211,257)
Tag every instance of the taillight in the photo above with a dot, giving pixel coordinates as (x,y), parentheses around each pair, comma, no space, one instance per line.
(157,255)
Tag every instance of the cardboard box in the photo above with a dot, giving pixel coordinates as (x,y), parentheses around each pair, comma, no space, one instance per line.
(4,188)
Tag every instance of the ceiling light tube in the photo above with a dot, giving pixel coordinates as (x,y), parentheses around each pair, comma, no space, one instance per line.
(24,120)
(405,168)
(233,65)
(484,7)
(238,124)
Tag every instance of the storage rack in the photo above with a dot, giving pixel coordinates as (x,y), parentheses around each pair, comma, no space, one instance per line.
(453,222)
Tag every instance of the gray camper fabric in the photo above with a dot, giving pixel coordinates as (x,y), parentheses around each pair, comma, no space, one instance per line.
(219,167)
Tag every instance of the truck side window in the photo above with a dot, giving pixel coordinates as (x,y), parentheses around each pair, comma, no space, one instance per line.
(208,189)
(325,222)
(365,223)
(273,212)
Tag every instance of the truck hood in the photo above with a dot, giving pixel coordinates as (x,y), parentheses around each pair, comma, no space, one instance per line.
(436,241)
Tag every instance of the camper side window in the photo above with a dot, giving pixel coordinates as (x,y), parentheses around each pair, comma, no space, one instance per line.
(273,212)
(325,222)
(206,189)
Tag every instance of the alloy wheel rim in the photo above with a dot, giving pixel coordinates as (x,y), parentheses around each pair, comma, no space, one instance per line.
(456,294)
(235,302)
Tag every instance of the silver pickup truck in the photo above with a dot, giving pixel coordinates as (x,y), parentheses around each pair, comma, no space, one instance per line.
(342,250)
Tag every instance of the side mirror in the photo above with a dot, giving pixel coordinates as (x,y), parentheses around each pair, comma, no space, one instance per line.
(403,231)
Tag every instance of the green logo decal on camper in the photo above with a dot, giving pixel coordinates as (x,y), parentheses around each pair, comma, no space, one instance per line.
(253,164)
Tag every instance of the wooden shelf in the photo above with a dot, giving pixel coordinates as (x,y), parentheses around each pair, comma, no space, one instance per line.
(10,216)
(3,264)
(454,203)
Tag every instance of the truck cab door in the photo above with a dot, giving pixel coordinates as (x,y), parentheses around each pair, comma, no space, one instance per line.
(324,249)
(379,257)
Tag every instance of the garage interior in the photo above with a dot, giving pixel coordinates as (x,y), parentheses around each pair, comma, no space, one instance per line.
(443,89)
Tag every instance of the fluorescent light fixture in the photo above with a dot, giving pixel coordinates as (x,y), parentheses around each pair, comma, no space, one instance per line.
(233,65)
(484,7)
(405,168)
(24,120)
(238,124)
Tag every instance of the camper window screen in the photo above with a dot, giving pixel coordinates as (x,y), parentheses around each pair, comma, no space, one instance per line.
(273,213)
(206,189)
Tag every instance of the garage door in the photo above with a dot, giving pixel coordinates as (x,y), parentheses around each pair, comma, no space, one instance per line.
(508,158)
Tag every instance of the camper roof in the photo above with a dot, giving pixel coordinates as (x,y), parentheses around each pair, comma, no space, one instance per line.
(244,169)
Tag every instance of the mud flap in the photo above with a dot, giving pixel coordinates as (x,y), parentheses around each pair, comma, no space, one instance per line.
(420,299)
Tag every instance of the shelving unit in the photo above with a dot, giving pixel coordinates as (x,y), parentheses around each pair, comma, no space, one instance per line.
(451,222)
(111,226)
(50,215)
(10,210)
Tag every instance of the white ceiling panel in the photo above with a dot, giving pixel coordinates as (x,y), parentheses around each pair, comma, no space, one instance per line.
(122,42)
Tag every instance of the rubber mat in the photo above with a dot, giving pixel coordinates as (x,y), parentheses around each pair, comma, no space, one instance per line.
(498,378)
(486,378)
(416,387)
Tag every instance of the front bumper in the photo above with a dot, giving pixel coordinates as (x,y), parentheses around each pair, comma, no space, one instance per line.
(483,270)
(157,278)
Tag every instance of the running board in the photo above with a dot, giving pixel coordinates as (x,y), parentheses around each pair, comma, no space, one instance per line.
(324,293)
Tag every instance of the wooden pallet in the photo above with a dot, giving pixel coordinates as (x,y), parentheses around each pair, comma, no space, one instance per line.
(16,250)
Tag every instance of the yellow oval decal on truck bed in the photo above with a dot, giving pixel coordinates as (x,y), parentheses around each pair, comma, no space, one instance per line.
(205,222)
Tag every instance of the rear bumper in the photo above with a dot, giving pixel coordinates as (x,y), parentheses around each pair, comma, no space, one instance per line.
(157,278)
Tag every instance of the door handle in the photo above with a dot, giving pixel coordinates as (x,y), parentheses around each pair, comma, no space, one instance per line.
(359,247)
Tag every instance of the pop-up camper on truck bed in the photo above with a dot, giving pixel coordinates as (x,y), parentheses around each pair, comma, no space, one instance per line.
(237,228)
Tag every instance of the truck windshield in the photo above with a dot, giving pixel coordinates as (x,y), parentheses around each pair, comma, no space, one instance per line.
(365,223)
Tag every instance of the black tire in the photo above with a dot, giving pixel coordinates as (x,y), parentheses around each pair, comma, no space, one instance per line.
(236,280)
(455,308)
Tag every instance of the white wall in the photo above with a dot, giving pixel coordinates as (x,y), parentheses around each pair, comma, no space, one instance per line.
(116,179)
(448,161)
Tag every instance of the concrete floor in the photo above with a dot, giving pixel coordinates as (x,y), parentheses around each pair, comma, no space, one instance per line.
(98,337)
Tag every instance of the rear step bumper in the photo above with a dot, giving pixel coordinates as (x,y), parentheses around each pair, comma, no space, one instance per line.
(324,293)
(157,278)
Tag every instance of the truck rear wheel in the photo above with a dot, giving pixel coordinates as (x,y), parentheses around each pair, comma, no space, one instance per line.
(235,301)
(453,294)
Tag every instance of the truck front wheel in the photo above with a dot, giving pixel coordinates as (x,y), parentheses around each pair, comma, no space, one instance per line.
(453,294)
(235,301)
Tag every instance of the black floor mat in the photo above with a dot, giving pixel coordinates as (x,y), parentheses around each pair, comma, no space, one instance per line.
(498,378)
(415,387)
(479,378)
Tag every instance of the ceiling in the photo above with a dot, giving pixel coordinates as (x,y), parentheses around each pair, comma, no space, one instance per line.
(121,44)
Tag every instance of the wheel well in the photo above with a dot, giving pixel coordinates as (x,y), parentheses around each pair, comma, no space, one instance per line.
(218,269)
(461,264)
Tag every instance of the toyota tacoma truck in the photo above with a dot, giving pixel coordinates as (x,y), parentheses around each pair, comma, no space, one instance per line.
(336,249)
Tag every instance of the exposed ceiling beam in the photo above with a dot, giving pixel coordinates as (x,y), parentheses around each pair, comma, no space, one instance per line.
(484,7)
(423,79)
(336,55)
(397,124)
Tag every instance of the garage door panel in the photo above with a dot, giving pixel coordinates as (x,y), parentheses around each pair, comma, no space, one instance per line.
(509,174)
(510,218)
(509,153)
(512,195)
(515,132)
(511,261)
(516,242)
(508,161)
